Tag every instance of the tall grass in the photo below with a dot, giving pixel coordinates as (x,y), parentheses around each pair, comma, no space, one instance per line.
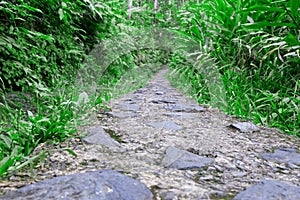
(43,44)
(256,46)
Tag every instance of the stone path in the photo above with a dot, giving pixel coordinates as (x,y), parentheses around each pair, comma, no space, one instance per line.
(161,139)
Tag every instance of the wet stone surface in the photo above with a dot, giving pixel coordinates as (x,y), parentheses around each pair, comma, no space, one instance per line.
(121,115)
(184,108)
(270,189)
(167,159)
(96,185)
(181,159)
(180,115)
(283,155)
(99,136)
(245,127)
(128,107)
(166,125)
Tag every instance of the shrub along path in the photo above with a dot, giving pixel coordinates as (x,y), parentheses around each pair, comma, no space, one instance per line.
(176,148)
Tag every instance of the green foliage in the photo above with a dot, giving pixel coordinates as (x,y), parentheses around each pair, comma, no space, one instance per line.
(22,131)
(44,41)
(256,44)
(42,46)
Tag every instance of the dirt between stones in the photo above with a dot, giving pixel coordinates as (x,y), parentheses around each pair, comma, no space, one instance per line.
(146,122)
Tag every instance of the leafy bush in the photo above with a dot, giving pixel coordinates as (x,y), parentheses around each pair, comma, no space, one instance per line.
(256,46)
(45,41)
(42,46)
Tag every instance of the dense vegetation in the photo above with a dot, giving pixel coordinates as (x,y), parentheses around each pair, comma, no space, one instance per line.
(54,53)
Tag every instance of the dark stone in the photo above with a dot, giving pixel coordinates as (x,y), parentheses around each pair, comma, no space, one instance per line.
(163,101)
(283,155)
(159,92)
(99,136)
(121,115)
(245,127)
(128,107)
(165,125)
(140,91)
(184,108)
(181,159)
(270,189)
(96,185)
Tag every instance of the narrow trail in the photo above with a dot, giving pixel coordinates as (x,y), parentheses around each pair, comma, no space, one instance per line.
(150,120)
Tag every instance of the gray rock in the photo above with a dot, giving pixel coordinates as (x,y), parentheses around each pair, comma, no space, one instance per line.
(121,115)
(168,196)
(181,159)
(99,136)
(238,174)
(180,115)
(270,189)
(163,101)
(283,155)
(159,92)
(184,108)
(165,125)
(128,107)
(245,127)
(96,185)
(140,91)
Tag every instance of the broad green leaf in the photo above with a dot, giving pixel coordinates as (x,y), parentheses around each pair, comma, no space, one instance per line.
(291,40)
(43,120)
(32,8)
(70,151)
(7,140)
(5,163)
(266,24)
(295,5)
(259,8)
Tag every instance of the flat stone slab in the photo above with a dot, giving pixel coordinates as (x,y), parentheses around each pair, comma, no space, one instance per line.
(160,101)
(159,92)
(283,155)
(184,108)
(180,115)
(270,189)
(121,115)
(96,185)
(140,91)
(128,107)
(165,125)
(245,127)
(184,160)
(99,136)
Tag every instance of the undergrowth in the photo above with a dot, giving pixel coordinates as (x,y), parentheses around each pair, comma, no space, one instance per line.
(255,46)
